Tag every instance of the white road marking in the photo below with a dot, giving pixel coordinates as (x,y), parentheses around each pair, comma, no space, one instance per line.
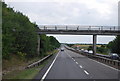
(76,62)
(86,72)
(68,55)
(74,59)
(49,68)
(100,63)
(80,66)
(104,64)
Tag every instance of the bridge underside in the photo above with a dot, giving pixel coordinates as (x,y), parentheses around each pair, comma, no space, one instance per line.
(79,32)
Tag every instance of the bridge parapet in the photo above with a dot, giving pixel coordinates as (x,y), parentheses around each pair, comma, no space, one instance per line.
(79,30)
(78,27)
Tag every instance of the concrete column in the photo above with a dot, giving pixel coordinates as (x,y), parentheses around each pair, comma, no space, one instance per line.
(38,48)
(94,44)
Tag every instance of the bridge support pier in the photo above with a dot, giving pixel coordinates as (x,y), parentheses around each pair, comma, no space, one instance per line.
(94,44)
(38,47)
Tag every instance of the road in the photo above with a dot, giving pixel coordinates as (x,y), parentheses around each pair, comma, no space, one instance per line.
(70,65)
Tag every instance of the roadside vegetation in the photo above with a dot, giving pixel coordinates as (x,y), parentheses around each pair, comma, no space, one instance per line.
(20,41)
(114,45)
(111,47)
(28,74)
(101,49)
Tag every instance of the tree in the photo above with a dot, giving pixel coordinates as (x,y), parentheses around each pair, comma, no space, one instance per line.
(114,45)
(48,44)
(90,48)
(19,34)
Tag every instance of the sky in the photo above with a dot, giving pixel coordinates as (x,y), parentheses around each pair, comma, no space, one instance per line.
(82,12)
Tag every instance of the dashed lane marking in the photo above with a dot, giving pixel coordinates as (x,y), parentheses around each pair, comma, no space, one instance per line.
(76,62)
(86,72)
(80,66)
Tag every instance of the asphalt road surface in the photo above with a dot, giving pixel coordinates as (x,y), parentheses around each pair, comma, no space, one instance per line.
(70,65)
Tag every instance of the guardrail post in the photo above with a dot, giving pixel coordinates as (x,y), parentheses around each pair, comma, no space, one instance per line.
(94,44)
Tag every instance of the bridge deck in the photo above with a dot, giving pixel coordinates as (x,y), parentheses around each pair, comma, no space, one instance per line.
(80,30)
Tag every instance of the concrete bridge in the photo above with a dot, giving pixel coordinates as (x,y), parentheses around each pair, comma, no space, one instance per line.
(79,30)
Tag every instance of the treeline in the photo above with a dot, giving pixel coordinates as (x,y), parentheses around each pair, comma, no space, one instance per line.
(100,49)
(19,36)
(47,44)
(114,45)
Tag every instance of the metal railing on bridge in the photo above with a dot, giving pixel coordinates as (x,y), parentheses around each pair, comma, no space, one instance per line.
(78,27)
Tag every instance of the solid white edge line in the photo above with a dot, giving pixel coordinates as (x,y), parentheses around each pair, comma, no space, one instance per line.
(86,72)
(104,65)
(49,67)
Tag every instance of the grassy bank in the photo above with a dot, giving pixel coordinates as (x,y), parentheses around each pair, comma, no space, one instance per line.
(26,73)
(15,63)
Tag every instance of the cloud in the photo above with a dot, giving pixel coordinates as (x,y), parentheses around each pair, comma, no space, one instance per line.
(83,12)
(83,39)
(94,12)
(87,1)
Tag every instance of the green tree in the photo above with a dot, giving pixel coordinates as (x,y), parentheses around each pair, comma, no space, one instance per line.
(90,48)
(47,44)
(114,45)
(19,34)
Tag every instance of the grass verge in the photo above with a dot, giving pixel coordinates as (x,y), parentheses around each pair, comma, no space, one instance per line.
(27,73)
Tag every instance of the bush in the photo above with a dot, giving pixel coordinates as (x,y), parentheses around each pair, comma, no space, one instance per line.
(21,55)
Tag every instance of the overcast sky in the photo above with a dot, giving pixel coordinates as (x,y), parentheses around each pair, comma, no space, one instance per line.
(83,12)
